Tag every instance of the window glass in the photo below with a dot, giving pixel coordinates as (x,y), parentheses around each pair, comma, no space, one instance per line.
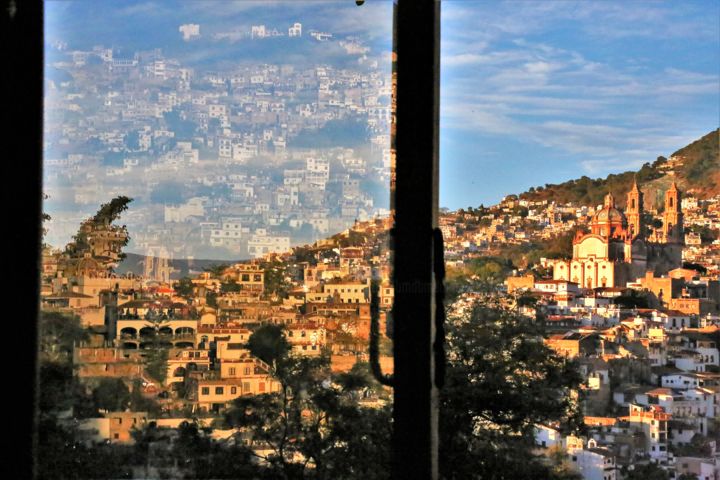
(574,138)
(216,170)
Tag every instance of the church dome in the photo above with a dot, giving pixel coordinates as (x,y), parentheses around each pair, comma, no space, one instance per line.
(609,215)
(609,222)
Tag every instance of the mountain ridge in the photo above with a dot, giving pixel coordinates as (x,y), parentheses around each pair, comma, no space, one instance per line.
(695,168)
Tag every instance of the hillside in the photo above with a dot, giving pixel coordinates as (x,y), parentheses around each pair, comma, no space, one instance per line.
(701,164)
(695,168)
(135,263)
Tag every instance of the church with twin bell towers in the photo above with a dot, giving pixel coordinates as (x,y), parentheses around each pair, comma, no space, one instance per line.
(620,248)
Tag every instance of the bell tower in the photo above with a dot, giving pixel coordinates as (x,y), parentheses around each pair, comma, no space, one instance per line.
(609,201)
(633,211)
(673,217)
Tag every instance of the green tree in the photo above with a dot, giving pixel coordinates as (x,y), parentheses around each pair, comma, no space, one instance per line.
(501,380)
(268,343)
(560,467)
(111,394)
(230,287)
(353,239)
(211,299)
(699,446)
(55,380)
(109,212)
(60,389)
(275,282)
(192,447)
(632,299)
(305,254)
(59,332)
(64,458)
(147,439)
(559,246)
(184,287)
(687,476)
(648,471)
(314,427)
(101,221)
(216,269)
(156,358)
(156,362)
(139,402)
(695,266)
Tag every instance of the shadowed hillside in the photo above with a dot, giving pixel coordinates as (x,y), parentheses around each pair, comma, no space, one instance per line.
(135,263)
(695,168)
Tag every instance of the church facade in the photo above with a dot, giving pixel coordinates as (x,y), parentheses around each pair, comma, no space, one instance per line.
(618,248)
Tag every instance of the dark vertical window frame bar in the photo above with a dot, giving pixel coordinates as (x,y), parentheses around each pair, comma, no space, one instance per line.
(417,42)
(21,33)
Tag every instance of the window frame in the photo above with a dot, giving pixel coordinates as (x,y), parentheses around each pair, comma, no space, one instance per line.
(414,200)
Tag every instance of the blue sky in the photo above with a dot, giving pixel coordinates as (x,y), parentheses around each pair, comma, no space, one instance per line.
(536,92)
(132,25)
(532,92)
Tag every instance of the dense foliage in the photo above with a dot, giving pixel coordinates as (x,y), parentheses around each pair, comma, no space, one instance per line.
(314,427)
(702,162)
(501,381)
(184,287)
(268,343)
(109,212)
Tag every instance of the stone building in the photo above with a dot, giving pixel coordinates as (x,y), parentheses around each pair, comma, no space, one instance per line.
(618,250)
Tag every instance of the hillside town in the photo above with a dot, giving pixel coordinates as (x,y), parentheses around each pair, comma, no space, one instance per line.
(643,326)
(634,302)
(235,162)
(520,225)
(247,271)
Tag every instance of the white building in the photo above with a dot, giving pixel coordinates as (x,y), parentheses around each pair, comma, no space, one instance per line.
(225,148)
(194,207)
(189,31)
(318,168)
(295,30)
(594,463)
(262,243)
(228,234)
(258,31)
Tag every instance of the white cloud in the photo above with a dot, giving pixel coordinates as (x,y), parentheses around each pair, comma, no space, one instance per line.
(463,59)
(540,67)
